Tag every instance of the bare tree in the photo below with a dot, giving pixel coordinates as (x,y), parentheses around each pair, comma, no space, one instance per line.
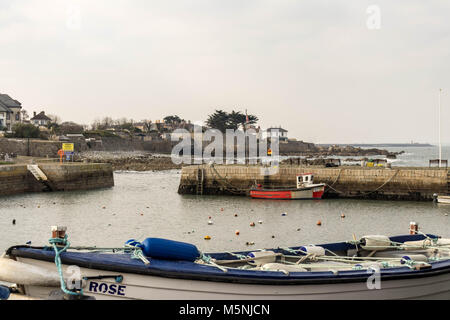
(54,118)
(25,115)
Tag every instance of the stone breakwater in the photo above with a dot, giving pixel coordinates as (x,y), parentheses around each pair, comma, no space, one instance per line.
(346,182)
(134,161)
(62,177)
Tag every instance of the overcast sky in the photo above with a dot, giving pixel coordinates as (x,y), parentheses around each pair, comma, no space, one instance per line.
(327,71)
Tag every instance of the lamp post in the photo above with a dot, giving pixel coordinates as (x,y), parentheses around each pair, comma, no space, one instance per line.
(440,147)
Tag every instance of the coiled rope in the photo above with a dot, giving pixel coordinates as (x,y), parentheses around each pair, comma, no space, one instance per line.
(59,241)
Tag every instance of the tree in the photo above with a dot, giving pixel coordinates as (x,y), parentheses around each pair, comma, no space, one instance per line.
(147,125)
(218,120)
(222,120)
(25,115)
(54,118)
(172,119)
(25,130)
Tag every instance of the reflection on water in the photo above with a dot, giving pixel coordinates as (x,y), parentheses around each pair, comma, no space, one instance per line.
(147,204)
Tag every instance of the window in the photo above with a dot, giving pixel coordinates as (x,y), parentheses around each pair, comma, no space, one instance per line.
(17,116)
(8,116)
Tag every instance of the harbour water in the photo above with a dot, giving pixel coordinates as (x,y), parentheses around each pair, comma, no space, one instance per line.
(146,204)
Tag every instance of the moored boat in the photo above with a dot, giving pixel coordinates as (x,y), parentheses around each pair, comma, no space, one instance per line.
(443,199)
(306,189)
(373,267)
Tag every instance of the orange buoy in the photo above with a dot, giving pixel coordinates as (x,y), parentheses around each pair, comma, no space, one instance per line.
(237,232)
(207,238)
(342,215)
(235,214)
(221,209)
(252,224)
(319,223)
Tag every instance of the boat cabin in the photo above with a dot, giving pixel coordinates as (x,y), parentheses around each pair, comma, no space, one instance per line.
(304,179)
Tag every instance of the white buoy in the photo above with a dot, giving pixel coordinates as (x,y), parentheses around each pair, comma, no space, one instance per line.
(210,222)
(375,242)
(312,249)
(262,257)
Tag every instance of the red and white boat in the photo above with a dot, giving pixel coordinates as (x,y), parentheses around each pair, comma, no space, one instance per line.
(306,189)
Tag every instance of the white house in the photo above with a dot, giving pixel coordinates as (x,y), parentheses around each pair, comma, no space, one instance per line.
(9,111)
(279,133)
(40,119)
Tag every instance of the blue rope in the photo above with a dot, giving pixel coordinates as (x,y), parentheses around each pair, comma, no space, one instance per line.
(66,243)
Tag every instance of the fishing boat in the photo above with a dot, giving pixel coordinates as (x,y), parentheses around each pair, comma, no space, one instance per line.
(415,266)
(306,189)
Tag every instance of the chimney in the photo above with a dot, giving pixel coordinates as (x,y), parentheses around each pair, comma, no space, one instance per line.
(34,113)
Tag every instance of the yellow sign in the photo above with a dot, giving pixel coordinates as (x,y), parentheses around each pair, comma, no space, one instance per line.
(269,152)
(67,147)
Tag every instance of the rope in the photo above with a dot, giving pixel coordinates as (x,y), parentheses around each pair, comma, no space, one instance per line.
(211,261)
(136,252)
(239,190)
(66,243)
(365,193)
(339,174)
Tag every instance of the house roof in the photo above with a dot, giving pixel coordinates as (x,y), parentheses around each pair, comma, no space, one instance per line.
(279,129)
(41,116)
(4,108)
(9,102)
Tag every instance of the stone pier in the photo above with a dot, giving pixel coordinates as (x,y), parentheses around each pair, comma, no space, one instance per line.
(347,181)
(61,177)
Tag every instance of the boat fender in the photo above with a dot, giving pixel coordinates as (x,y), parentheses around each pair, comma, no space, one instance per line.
(414,245)
(4,293)
(375,242)
(443,242)
(169,249)
(263,257)
(312,249)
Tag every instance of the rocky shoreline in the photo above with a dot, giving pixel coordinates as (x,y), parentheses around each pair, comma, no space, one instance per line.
(133,160)
(146,161)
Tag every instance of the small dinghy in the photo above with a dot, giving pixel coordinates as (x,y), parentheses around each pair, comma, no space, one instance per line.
(373,267)
(306,189)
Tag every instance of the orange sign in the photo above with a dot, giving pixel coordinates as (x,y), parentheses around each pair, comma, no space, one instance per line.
(269,152)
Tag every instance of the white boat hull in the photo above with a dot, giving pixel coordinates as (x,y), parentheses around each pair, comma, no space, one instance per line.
(443,199)
(136,286)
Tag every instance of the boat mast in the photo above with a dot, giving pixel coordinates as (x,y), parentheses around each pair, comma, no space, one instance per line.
(440,147)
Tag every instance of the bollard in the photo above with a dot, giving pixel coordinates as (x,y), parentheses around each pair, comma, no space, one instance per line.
(413,228)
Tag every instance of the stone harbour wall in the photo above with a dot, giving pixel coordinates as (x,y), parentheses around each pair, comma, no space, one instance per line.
(62,177)
(347,182)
